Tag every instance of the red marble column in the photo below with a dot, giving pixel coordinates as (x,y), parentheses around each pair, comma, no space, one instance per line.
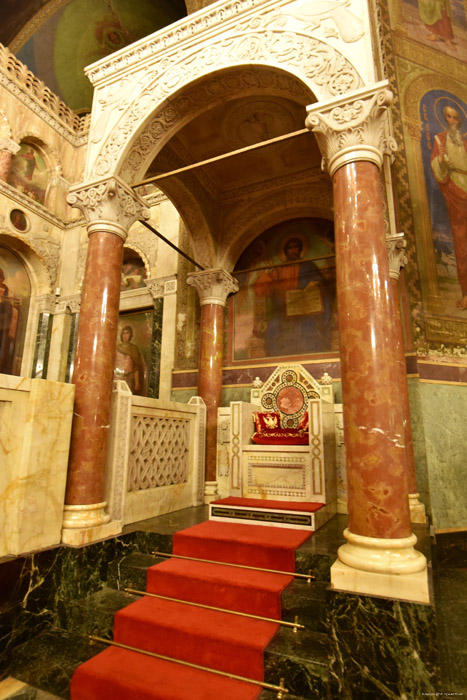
(210,377)
(404,393)
(94,366)
(110,208)
(213,287)
(354,132)
(373,424)
(397,259)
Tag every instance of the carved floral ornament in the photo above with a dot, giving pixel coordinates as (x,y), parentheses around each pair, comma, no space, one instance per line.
(320,67)
(213,286)
(110,202)
(355,127)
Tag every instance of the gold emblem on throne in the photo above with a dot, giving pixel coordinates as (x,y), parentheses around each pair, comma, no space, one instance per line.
(270,422)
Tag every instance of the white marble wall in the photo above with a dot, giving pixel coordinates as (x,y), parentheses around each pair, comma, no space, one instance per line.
(35,426)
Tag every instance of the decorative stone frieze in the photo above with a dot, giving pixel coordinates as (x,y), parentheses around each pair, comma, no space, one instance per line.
(108,202)
(354,127)
(396,246)
(8,145)
(65,303)
(21,82)
(213,286)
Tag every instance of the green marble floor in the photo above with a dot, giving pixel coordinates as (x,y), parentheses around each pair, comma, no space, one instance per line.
(355,647)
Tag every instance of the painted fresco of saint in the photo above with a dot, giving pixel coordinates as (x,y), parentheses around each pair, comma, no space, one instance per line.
(449,166)
(285,305)
(444,155)
(129,364)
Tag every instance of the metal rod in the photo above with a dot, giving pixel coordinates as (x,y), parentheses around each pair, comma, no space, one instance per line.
(268,686)
(237,152)
(172,245)
(308,576)
(284,623)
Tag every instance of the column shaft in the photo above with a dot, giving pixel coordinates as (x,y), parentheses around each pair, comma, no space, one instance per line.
(94,366)
(373,426)
(210,377)
(403,388)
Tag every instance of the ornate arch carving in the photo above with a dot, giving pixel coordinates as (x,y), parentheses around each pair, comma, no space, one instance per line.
(128,137)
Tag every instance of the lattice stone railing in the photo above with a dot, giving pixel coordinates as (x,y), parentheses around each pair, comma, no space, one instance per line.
(22,76)
(159,452)
(155,457)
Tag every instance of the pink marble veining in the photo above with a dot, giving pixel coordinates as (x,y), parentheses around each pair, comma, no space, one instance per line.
(94,366)
(5,164)
(373,423)
(404,391)
(210,377)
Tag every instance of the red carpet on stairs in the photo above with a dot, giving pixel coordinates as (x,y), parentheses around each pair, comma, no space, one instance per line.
(219,640)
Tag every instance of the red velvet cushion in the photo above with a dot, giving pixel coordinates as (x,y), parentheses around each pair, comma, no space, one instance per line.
(267,420)
(282,436)
(303,425)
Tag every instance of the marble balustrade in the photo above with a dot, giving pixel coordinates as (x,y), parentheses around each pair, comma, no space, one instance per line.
(155,461)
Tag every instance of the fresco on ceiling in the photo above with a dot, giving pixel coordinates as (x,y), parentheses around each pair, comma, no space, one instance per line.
(29,173)
(439,24)
(84,31)
(285,306)
(444,153)
(15,291)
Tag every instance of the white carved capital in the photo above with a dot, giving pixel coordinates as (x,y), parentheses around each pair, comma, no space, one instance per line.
(65,303)
(9,145)
(213,286)
(396,246)
(354,127)
(108,205)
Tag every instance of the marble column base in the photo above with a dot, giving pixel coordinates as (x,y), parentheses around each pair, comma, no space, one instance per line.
(381,555)
(80,536)
(86,515)
(417,509)
(210,491)
(410,587)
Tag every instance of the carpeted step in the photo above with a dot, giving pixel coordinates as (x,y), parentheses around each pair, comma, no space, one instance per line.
(229,643)
(253,592)
(251,545)
(119,674)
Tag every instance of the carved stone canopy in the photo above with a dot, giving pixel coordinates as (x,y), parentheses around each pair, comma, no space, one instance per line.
(213,286)
(354,127)
(108,205)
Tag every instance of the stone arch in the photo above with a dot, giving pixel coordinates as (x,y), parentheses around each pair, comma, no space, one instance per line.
(27,309)
(302,201)
(149,107)
(35,264)
(422,84)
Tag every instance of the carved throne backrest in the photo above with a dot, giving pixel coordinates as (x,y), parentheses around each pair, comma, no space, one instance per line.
(287,392)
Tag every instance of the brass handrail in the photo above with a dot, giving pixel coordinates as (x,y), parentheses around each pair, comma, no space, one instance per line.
(309,577)
(296,626)
(268,686)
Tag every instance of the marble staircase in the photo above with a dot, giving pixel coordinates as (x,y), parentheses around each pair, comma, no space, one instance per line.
(48,660)
(354,648)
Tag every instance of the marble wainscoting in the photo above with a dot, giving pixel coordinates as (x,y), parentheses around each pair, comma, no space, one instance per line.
(35,425)
(381,648)
(41,600)
(450,584)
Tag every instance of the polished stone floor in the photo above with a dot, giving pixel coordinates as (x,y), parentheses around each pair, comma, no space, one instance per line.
(131,553)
